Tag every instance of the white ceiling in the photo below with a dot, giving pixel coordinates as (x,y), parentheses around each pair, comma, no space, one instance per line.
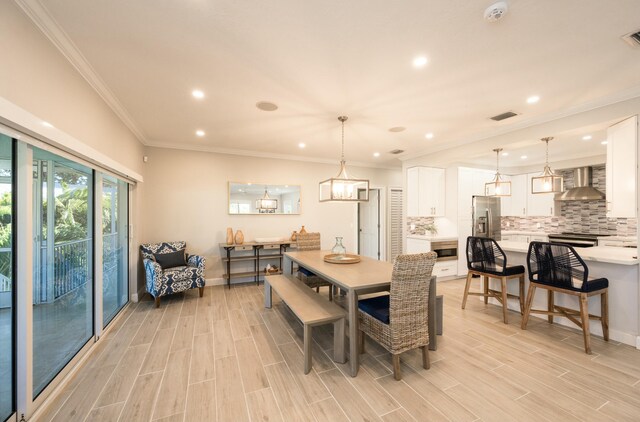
(319,59)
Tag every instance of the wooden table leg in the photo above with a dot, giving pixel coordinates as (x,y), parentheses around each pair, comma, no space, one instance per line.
(352,298)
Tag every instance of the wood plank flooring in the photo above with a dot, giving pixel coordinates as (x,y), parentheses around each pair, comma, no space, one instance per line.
(224,357)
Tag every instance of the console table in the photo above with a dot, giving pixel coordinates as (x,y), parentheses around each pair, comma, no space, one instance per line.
(253,252)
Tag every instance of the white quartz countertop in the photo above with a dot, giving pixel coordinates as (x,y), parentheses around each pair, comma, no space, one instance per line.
(432,237)
(608,254)
(524,233)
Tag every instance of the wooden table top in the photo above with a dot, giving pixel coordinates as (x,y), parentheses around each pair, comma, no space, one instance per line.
(368,273)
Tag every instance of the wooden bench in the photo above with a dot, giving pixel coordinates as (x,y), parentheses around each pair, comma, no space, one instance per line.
(311,309)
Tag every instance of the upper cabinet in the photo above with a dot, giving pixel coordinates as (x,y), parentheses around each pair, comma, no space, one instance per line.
(621,168)
(425,192)
(516,204)
(538,204)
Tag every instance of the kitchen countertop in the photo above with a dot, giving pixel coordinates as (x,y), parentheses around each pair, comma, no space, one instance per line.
(608,254)
(524,233)
(433,237)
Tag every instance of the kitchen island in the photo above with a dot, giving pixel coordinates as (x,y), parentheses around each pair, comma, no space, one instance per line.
(619,265)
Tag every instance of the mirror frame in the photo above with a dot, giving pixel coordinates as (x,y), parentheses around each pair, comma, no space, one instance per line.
(260,184)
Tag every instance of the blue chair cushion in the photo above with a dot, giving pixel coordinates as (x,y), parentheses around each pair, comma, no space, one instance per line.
(513,270)
(377,307)
(306,272)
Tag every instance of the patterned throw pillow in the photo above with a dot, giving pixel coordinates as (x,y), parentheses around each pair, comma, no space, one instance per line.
(171,259)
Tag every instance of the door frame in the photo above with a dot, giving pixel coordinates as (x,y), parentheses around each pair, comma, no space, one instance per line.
(382,215)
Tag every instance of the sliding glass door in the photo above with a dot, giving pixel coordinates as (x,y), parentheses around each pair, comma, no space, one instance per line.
(63,264)
(7,387)
(115,251)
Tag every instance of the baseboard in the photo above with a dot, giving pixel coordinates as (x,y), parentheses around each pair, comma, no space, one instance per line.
(218,281)
(638,342)
(137,296)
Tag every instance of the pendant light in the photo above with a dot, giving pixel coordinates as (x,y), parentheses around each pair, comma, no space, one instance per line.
(342,188)
(548,181)
(497,187)
(266,203)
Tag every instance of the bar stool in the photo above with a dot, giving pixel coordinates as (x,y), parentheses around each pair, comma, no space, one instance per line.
(557,267)
(487,259)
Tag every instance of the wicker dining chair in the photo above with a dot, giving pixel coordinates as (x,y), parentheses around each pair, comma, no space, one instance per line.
(399,321)
(311,242)
(558,268)
(487,259)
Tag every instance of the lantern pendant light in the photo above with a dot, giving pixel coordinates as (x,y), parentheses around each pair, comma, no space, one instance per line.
(342,188)
(548,181)
(266,203)
(497,187)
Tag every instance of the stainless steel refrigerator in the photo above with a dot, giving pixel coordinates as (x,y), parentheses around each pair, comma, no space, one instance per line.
(486,217)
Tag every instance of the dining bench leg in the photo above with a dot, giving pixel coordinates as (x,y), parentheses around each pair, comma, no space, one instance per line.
(338,341)
(267,293)
(352,297)
(307,348)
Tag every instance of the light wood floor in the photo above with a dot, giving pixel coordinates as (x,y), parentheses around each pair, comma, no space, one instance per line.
(225,358)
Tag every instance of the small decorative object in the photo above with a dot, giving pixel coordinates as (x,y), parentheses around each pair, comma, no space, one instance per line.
(303,230)
(431,228)
(239,237)
(341,258)
(229,236)
(294,235)
(271,269)
(338,248)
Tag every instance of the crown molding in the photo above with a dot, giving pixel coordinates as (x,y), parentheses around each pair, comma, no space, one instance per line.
(269,155)
(41,17)
(608,100)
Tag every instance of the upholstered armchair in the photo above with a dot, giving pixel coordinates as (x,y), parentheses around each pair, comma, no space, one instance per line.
(169,269)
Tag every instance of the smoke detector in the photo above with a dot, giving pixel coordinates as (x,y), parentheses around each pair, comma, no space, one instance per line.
(496,11)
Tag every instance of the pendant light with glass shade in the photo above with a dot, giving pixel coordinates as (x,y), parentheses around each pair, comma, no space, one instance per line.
(497,187)
(266,203)
(548,181)
(343,188)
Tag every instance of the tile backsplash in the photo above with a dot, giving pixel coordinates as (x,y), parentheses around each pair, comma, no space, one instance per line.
(421,224)
(577,216)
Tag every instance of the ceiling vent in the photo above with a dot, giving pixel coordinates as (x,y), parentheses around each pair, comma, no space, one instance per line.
(396,151)
(633,39)
(503,116)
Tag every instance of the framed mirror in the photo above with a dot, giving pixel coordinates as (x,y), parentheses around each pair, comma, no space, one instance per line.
(254,198)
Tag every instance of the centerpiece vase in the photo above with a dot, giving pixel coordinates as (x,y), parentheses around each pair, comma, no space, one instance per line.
(339,248)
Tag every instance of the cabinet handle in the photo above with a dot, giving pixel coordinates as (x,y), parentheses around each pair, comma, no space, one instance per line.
(444,269)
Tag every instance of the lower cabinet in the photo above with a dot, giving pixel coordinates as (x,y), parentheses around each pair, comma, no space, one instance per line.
(445,269)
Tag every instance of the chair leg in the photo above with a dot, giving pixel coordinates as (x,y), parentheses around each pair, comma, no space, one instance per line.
(201,289)
(550,305)
(157,302)
(527,308)
(486,289)
(317,289)
(521,281)
(584,316)
(503,281)
(396,367)
(426,363)
(466,290)
(330,293)
(604,314)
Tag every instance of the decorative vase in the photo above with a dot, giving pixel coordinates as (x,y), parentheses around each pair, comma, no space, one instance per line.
(239,237)
(294,236)
(303,231)
(339,248)
(229,236)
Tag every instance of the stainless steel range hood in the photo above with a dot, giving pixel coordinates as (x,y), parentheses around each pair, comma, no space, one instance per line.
(583,190)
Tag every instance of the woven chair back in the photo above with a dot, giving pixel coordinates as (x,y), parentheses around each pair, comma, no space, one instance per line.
(484,254)
(308,242)
(409,298)
(556,264)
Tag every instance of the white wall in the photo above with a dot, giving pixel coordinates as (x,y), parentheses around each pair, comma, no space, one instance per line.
(185,198)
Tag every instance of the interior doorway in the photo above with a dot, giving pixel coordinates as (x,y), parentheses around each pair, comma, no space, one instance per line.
(371,227)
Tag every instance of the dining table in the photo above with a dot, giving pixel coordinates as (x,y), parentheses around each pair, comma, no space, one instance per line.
(363,277)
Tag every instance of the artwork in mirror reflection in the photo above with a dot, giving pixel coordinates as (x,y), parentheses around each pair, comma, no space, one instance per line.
(254,198)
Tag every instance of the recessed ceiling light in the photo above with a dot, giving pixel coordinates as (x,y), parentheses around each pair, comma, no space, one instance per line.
(397,129)
(376,154)
(302,145)
(533,99)
(200,133)
(47,124)
(197,94)
(504,154)
(420,61)
(586,138)
(604,142)
(523,157)
(266,106)
(429,135)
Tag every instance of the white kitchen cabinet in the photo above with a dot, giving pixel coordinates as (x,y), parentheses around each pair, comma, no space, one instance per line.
(538,204)
(425,192)
(516,204)
(621,169)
